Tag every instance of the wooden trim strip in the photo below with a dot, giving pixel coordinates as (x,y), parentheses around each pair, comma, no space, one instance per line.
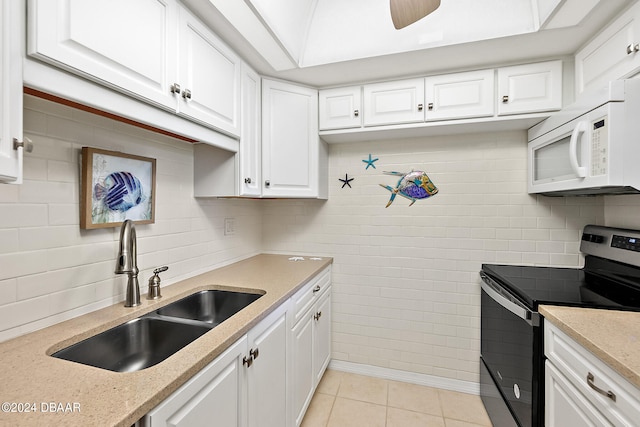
(82,107)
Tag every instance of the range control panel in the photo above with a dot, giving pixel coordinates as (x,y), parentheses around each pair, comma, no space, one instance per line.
(625,242)
(617,244)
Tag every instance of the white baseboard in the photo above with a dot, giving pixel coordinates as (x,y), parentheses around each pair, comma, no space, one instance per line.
(405,376)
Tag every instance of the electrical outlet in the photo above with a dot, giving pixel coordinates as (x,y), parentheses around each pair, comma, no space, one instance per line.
(229,226)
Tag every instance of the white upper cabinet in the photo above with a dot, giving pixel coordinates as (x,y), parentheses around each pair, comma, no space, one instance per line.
(340,108)
(11,33)
(530,88)
(293,157)
(198,79)
(138,56)
(209,77)
(460,95)
(394,102)
(612,54)
(250,154)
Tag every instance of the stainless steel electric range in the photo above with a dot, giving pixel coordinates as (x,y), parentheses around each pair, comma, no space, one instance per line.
(512,351)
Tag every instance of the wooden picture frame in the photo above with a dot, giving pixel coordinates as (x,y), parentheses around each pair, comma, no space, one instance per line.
(116,186)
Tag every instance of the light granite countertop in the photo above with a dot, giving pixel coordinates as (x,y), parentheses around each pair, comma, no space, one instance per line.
(84,395)
(611,335)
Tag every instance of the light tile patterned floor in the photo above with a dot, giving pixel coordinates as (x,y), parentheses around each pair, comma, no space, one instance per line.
(349,400)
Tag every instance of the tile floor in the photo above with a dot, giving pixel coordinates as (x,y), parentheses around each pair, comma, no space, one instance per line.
(349,400)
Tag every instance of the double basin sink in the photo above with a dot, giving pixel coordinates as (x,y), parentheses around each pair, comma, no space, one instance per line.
(150,339)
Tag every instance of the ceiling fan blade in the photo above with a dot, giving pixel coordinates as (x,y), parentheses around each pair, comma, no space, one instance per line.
(406,12)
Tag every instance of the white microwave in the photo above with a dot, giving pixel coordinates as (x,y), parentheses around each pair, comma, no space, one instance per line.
(591,147)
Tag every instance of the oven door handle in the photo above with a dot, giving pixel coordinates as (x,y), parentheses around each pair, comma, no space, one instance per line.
(493,290)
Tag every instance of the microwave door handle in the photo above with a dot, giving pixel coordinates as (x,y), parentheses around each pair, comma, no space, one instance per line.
(580,129)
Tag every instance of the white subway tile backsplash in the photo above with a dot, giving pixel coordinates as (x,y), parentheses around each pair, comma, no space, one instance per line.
(50,270)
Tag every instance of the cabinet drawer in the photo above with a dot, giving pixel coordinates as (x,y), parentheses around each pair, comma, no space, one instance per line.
(309,294)
(577,363)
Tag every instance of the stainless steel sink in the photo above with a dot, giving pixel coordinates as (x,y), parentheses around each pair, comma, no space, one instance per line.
(212,307)
(135,345)
(150,339)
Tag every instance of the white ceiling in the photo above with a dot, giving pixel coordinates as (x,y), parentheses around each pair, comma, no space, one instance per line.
(335,42)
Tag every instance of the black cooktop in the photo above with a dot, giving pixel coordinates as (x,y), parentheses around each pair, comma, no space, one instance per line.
(600,284)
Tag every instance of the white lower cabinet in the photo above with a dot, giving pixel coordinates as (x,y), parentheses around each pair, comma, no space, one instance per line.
(245,386)
(582,390)
(311,335)
(267,377)
(215,393)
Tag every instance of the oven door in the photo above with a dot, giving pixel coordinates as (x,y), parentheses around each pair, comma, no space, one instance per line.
(511,348)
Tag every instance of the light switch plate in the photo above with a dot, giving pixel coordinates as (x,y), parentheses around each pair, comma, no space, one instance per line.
(229,226)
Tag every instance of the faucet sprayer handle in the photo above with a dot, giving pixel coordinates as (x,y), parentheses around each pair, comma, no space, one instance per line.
(160,269)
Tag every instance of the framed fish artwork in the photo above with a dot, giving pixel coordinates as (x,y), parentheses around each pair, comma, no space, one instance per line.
(116,186)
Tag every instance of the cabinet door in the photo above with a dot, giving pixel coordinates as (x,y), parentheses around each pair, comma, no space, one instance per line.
(267,376)
(460,95)
(613,54)
(11,44)
(209,77)
(394,102)
(565,405)
(250,148)
(302,366)
(215,393)
(137,57)
(290,142)
(340,108)
(530,88)
(322,336)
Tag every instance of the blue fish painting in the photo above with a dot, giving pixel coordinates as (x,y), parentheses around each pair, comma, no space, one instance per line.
(120,191)
(414,185)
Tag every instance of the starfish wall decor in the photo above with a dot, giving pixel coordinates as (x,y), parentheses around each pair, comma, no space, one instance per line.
(346,180)
(370,162)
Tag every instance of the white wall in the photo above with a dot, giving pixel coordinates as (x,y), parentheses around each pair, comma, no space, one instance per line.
(406,289)
(51,270)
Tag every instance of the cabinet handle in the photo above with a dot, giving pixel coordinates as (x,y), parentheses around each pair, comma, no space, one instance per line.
(590,380)
(316,289)
(186,94)
(267,183)
(420,107)
(254,353)
(248,361)
(175,88)
(317,316)
(247,180)
(505,99)
(430,106)
(632,48)
(356,113)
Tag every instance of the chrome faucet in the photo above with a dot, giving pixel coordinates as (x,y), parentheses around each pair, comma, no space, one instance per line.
(127,262)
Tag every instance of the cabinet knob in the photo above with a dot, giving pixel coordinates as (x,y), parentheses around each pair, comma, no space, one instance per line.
(420,107)
(175,88)
(317,316)
(316,289)
(28,146)
(254,353)
(186,94)
(430,106)
(356,113)
(247,180)
(505,99)
(247,361)
(267,183)
(633,48)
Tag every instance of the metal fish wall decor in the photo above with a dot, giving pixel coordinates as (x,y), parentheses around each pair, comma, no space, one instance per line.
(414,185)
